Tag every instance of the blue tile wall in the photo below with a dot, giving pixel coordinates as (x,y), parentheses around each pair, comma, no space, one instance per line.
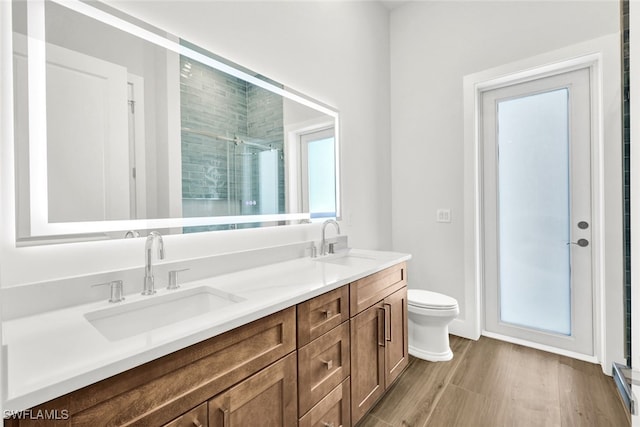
(220,177)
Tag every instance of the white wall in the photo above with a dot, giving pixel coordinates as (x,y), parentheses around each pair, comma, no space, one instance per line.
(337,52)
(433,46)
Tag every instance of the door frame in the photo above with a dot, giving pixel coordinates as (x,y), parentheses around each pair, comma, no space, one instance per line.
(601,55)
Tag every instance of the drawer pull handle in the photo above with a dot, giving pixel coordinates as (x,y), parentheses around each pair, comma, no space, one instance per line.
(197,423)
(327,313)
(329,364)
(325,424)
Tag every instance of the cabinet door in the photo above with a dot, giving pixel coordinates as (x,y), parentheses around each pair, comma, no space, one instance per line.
(267,399)
(396,335)
(367,360)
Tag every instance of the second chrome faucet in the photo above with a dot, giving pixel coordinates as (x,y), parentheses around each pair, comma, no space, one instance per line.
(149,286)
(326,246)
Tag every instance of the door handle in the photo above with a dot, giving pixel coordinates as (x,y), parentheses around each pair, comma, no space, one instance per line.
(382,327)
(387,324)
(583,243)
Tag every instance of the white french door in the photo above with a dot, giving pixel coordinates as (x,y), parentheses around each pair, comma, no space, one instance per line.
(536,139)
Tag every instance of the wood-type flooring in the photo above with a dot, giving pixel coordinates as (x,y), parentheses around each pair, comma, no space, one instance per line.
(491,383)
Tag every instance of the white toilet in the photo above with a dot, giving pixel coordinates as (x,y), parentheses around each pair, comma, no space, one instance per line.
(429,316)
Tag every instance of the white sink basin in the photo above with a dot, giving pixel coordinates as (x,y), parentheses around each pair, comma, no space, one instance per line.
(348,259)
(129,319)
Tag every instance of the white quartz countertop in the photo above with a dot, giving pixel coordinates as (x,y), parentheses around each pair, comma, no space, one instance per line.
(53,353)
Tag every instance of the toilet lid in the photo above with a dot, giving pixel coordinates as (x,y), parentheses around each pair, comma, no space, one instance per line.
(428,299)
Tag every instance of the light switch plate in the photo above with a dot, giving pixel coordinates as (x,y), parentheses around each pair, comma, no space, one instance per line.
(443,215)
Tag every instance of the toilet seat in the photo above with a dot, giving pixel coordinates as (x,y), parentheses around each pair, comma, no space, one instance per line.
(430,300)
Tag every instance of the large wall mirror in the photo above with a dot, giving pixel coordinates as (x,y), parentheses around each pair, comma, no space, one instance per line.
(120,126)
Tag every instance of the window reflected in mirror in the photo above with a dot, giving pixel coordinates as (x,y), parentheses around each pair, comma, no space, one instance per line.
(318,165)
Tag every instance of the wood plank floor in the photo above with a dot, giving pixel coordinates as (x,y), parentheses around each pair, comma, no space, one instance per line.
(493,383)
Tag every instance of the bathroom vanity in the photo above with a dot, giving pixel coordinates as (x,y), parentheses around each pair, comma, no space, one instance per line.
(309,342)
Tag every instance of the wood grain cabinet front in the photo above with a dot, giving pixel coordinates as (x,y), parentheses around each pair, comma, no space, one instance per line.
(322,365)
(367,360)
(267,399)
(332,411)
(365,292)
(396,335)
(321,314)
(379,337)
(155,393)
(197,417)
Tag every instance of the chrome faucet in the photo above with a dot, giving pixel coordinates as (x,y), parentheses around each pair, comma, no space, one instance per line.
(323,244)
(149,287)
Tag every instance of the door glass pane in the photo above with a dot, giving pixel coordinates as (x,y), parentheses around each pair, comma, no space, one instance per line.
(533,211)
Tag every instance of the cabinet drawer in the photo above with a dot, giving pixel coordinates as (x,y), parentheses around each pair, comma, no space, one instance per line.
(154,393)
(365,292)
(321,314)
(322,365)
(197,417)
(334,410)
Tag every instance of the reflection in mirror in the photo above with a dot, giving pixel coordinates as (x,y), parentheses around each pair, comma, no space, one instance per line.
(121,127)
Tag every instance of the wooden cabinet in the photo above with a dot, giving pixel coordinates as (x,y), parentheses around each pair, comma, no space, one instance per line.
(266,399)
(379,344)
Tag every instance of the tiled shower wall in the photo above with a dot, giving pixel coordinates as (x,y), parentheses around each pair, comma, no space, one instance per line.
(265,120)
(627,179)
(220,177)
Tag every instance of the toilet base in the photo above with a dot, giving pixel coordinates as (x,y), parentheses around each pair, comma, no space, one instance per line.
(431,356)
